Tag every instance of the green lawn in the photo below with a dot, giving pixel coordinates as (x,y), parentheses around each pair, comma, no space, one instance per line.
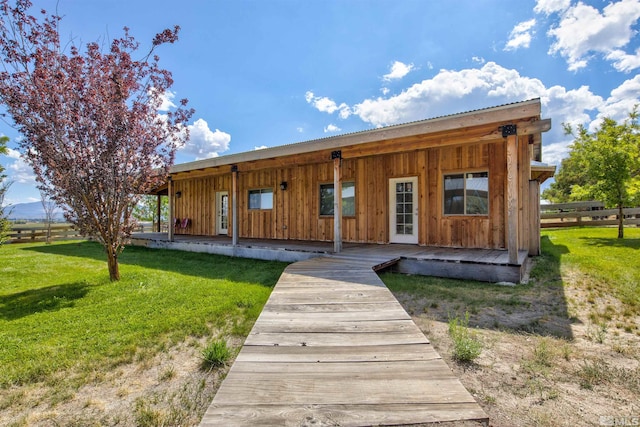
(60,314)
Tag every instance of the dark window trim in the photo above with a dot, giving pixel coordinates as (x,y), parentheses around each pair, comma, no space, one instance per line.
(464,192)
(261,190)
(321,215)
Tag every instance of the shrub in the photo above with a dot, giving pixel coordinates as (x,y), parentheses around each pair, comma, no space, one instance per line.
(216,354)
(466,345)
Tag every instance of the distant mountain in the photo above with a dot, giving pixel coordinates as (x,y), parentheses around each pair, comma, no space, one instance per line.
(31,211)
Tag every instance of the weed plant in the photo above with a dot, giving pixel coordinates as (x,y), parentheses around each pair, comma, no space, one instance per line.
(466,344)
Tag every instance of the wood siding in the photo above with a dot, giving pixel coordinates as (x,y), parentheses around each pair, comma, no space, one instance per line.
(295,213)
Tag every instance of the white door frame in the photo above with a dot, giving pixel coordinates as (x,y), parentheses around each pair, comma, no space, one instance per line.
(404,231)
(220,225)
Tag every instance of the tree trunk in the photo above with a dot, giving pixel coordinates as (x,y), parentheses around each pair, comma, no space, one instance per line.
(48,232)
(620,222)
(112,261)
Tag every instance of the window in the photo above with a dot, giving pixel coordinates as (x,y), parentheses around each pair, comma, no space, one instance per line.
(261,199)
(466,194)
(348,199)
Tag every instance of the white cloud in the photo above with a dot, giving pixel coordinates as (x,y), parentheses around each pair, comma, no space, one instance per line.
(554,153)
(624,62)
(261,147)
(478,60)
(204,143)
(398,71)
(167,101)
(385,90)
(583,30)
(551,6)
(300,129)
(327,105)
(331,128)
(19,171)
(622,100)
(520,36)
(13,154)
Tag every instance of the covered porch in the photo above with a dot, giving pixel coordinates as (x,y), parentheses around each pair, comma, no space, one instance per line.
(488,265)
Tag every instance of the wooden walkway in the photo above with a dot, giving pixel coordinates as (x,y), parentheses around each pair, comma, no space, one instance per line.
(333,347)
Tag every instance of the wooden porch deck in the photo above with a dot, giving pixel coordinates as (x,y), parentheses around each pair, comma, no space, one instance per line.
(487,265)
(333,346)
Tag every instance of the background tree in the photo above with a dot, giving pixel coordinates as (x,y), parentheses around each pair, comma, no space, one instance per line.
(90,121)
(610,158)
(147,210)
(4,186)
(571,172)
(49,208)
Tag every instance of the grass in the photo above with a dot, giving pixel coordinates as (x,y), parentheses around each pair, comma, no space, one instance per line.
(61,317)
(604,266)
(216,354)
(466,345)
(611,266)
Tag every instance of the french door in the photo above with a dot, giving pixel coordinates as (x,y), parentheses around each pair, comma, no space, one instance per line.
(222,212)
(403,210)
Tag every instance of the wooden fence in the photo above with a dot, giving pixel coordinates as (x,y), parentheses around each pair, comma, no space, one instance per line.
(584,214)
(39,233)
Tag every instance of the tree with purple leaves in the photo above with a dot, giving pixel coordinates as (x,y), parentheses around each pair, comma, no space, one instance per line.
(90,120)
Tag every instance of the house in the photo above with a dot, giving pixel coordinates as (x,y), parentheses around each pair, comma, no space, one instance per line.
(468,180)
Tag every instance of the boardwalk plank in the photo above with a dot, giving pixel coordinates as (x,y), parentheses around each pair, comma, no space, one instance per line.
(366,353)
(342,415)
(335,339)
(337,317)
(413,369)
(257,389)
(350,326)
(337,307)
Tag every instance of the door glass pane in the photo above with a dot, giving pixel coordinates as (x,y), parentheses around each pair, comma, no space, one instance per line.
(404,208)
(224,211)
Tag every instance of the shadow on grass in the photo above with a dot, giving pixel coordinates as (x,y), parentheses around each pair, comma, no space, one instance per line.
(52,298)
(612,242)
(539,307)
(188,263)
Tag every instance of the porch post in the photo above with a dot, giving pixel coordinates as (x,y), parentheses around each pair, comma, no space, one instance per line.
(234,204)
(170,195)
(512,192)
(158,213)
(337,201)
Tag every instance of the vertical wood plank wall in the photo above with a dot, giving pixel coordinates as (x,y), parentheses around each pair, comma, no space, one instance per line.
(295,214)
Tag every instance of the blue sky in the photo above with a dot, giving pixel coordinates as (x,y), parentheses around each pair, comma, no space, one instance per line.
(265,73)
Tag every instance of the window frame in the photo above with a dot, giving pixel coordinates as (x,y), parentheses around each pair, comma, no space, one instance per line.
(331,184)
(260,191)
(465,194)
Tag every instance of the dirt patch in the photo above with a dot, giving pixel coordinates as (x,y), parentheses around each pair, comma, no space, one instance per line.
(170,388)
(548,360)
